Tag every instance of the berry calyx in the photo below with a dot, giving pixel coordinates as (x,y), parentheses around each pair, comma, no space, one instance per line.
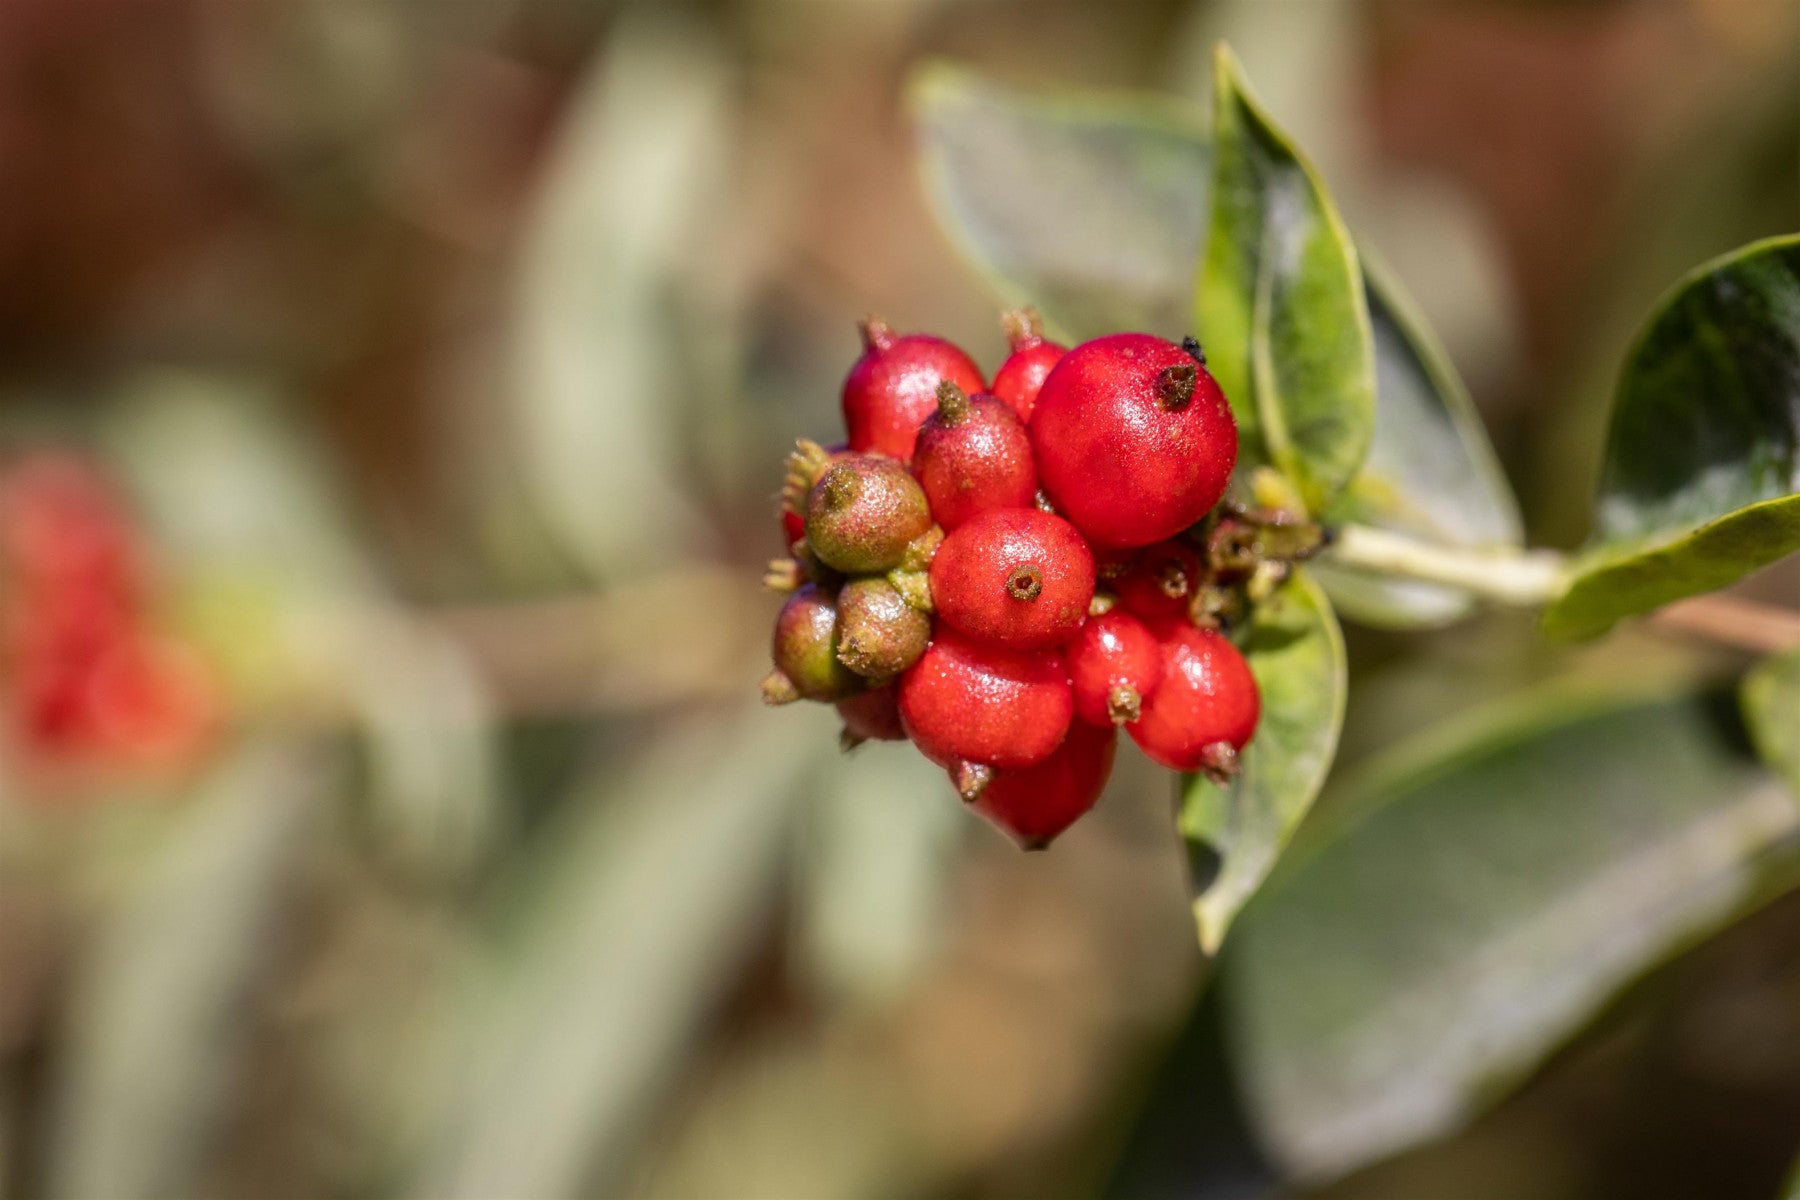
(1033,805)
(871,716)
(1161,582)
(1115,665)
(1205,708)
(805,463)
(804,650)
(1135,442)
(879,633)
(892,388)
(863,512)
(966,702)
(1022,375)
(1014,577)
(973,454)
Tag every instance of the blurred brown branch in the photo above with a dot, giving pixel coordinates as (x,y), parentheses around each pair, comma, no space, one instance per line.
(1731,621)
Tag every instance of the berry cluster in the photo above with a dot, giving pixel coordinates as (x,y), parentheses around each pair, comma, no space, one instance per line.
(88,685)
(1008,574)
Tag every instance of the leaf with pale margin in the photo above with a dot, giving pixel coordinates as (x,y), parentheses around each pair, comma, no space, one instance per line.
(1770,697)
(1092,206)
(1235,833)
(1703,456)
(1089,206)
(1431,472)
(1477,903)
(1281,304)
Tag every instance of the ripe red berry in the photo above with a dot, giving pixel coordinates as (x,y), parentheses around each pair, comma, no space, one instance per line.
(968,703)
(1161,581)
(879,633)
(973,454)
(804,650)
(1115,663)
(1035,804)
(1014,577)
(892,388)
(871,716)
(1206,706)
(863,512)
(1134,439)
(1022,375)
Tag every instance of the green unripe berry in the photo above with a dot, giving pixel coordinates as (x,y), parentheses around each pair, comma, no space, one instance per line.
(862,513)
(805,650)
(879,633)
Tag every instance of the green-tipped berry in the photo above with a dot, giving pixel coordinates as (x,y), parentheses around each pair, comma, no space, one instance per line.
(862,513)
(879,633)
(805,649)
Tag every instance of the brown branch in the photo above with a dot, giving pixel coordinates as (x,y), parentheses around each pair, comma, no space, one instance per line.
(1731,621)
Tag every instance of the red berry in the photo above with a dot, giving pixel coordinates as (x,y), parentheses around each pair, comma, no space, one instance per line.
(151,704)
(879,633)
(871,716)
(967,703)
(1115,663)
(1205,708)
(973,454)
(1160,582)
(1035,804)
(1022,375)
(1014,577)
(1134,439)
(893,387)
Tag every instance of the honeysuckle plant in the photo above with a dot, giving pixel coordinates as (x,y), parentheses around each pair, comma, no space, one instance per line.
(1473,900)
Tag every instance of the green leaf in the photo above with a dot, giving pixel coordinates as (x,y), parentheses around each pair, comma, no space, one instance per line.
(1297,653)
(1281,303)
(1770,698)
(626,929)
(159,1019)
(1476,904)
(1089,206)
(1431,472)
(1703,455)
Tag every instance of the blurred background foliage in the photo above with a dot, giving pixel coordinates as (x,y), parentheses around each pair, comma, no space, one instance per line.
(447,353)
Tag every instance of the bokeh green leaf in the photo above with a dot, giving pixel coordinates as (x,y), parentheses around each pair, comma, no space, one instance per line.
(1235,833)
(1431,472)
(1770,697)
(1703,456)
(1087,205)
(1281,304)
(1477,901)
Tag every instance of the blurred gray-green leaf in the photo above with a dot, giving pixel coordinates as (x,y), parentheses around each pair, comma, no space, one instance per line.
(1770,696)
(1475,903)
(1701,461)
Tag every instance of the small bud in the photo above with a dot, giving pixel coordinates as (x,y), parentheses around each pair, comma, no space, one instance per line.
(915,588)
(921,550)
(879,633)
(783,575)
(777,688)
(971,780)
(1023,326)
(876,333)
(952,405)
(1220,763)
(1175,385)
(1043,502)
(863,512)
(1124,705)
(805,463)
(1102,603)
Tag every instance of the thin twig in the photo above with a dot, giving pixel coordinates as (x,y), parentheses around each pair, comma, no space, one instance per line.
(1731,621)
